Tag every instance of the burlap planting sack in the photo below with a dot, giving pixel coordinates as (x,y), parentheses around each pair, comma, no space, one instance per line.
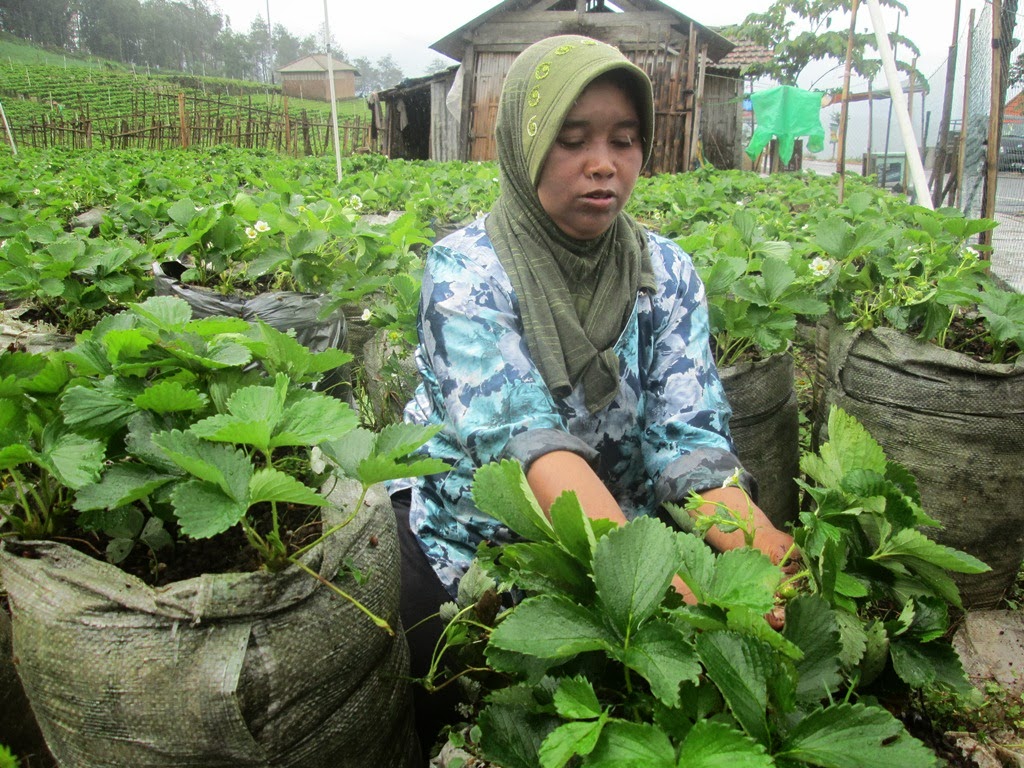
(241,669)
(765,426)
(957,425)
(388,389)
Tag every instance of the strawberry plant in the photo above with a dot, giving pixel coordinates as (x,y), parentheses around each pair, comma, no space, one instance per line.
(154,419)
(866,554)
(756,288)
(600,663)
(70,281)
(259,243)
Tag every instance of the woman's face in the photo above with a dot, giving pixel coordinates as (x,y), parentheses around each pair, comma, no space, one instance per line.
(594,163)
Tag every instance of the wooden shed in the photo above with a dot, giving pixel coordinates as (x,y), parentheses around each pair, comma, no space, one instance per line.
(413,120)
(722,138)
(306,78)
(672,48)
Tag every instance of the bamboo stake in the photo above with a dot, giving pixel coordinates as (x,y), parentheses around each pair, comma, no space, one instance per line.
(962,148)
(183,121)
(845,110)
(999,52)
(334,103)
(939,168)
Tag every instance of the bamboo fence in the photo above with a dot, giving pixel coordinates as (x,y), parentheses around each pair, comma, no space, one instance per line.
(160,121)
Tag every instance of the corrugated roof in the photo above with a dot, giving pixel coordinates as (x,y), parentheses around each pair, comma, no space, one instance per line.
(317,63)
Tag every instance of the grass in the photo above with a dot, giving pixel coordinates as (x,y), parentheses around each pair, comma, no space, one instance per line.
(37,82)
(14,50)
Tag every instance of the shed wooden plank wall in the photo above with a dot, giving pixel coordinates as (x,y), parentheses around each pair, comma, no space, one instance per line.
(490,70)
(721,121)
(647,39)
(671,49)
(444,126)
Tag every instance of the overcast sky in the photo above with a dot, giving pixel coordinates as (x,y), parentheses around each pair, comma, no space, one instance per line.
(406,28)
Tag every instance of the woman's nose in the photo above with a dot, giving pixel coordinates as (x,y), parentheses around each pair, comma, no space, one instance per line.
(599,161)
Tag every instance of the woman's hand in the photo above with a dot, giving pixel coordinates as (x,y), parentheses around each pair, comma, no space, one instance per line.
(775,544)
(778,547)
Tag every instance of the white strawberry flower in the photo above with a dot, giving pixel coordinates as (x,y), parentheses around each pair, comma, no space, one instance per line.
(733,480)
(821,267)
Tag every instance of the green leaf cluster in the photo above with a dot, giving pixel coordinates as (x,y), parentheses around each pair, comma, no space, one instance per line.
(799,32)
(756,289)
(866,554)
(603,665)
(918,279)
(272,241)
(156,426)
(873,260)
(70,280)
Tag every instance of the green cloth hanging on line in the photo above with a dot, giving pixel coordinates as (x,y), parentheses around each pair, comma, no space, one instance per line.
(786,113)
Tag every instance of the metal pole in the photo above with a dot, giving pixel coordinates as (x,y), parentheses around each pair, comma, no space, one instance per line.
(334,100)
(270,46)
(897,98)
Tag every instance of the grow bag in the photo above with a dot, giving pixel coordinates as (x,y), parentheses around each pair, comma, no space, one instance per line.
(765,428)
(302,313)
(236,669)
(18,729)
(388,389)
(957,425)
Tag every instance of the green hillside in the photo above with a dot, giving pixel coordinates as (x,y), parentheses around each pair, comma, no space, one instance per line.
(37,84)
(14,50)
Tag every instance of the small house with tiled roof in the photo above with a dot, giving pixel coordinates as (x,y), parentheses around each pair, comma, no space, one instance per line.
(460,105)
(306,78)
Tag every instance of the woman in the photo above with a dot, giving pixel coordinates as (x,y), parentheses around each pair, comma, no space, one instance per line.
(559,332)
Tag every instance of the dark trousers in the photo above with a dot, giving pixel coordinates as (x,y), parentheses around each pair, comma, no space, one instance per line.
(422,595)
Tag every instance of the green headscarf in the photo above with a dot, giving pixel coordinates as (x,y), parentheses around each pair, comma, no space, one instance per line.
(575,296)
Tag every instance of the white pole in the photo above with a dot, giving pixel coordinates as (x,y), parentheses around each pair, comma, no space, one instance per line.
(334,101)
(7,127)
(899,102)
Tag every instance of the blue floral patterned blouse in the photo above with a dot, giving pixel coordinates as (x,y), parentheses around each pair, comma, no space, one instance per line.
(664,434)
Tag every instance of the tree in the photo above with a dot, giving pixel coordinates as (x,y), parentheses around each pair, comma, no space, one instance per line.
(234,56)
(800,32)
(323,44)
(436,65)
(259,49)
(286,47)
(110,29)
(376,76)
(44,22)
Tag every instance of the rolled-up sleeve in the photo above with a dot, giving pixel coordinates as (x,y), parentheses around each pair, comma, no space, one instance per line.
(687,446)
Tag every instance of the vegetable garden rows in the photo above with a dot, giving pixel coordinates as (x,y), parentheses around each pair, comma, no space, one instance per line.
(150,396)
(33,91)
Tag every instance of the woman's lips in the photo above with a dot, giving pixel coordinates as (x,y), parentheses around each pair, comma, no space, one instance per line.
(600,199)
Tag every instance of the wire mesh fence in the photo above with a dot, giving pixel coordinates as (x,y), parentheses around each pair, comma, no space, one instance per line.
(974,79)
